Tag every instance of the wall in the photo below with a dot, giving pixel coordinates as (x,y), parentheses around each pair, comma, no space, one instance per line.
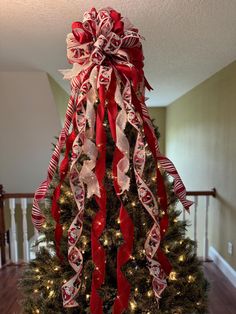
(200,140)
(29,121)
(61,98)
(159,116)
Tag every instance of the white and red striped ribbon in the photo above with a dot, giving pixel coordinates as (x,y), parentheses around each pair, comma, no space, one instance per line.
(38,218)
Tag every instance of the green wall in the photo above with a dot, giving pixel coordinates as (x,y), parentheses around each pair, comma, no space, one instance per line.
(61,98)
(200,140)
(159,116)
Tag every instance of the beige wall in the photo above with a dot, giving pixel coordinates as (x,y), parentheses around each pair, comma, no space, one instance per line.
(159,116)
(28,123)
(200,140)
(29,120)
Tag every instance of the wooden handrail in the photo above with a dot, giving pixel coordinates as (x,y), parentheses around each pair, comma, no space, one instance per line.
(4,195)
(17,195)
(201,193)
(31,195)
(23,196)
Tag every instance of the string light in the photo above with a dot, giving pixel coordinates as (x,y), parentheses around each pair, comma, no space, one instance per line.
(167,249)
(175,220)
(172,275)
(181,241)
(87,297)
(118,220)
(62,200)
(36,291)
(37,270)
(136,289)
(69,193)
(191,278)
(45,225)
(85,241)
(56,268)
(48,287)
(133,204)
(198,303)
(105,242)
(153,179)
(133,305)
(37,311)
(51,293)
(118,233)
(181,258)
(149,293)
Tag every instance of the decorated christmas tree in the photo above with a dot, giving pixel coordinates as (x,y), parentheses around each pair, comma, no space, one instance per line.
(110,238)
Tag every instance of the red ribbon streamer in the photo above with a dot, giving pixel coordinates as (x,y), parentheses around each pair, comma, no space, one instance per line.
(98,224)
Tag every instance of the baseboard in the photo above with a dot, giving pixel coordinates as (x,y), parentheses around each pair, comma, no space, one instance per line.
(228,271)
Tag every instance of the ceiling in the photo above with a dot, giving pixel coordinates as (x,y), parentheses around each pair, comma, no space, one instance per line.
(186,40)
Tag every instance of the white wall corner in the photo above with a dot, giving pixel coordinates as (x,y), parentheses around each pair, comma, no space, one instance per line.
(226,269)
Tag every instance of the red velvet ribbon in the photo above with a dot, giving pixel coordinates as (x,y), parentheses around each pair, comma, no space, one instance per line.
(134,75)
(82,35)
(99,222)
(57,192)
(126,225)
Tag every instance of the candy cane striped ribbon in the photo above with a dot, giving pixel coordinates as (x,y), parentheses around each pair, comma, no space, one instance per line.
(37,216)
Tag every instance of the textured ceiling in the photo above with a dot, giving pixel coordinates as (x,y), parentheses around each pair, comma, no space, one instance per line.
(186,40)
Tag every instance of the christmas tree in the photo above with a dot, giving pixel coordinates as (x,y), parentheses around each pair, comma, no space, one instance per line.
(111,241)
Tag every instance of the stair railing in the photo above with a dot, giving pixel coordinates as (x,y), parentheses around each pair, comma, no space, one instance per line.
(25,199)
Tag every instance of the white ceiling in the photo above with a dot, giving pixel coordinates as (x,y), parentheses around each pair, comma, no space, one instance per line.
(186,40)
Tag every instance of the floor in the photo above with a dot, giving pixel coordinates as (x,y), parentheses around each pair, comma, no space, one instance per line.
(222,297)
(9,294)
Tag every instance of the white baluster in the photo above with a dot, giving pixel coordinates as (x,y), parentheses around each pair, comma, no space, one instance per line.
(25,230)
(206,241)
(14,252)
(195,220)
